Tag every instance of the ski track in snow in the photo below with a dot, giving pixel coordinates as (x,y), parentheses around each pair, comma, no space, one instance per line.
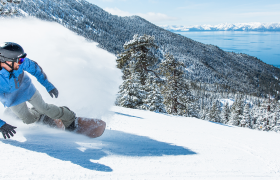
(274,168)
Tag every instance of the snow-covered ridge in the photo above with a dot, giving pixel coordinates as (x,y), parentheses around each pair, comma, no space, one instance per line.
(256,26)
(111,32)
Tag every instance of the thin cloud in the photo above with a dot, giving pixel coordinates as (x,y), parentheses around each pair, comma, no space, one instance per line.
(151,16)
(194,6)
(156,17)
(111,0)
(118,12)
(253,14)
(273,6)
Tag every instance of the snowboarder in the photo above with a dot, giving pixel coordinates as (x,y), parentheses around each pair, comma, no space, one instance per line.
(16,89)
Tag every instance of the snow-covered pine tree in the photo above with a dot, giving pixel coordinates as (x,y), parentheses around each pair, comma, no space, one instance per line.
(273,113)
(246,119)
(193,107)
(139,56)
(7,8)
(175,91)
(154,99)
(225,114)
(131,93)
(255,115)
(207,112)
(262,116)
(214,112)
(236,112)
(203,114)
(276,117)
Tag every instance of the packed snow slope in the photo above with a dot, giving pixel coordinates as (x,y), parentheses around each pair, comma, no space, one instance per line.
(136,144)
(142,145)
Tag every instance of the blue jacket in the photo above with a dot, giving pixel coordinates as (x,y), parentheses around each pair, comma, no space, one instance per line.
(16,87)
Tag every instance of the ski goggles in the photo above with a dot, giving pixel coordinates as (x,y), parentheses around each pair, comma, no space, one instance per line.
(20,60)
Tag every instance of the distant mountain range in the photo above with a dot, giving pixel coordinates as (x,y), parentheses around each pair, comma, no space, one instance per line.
(226,27)
(226,71)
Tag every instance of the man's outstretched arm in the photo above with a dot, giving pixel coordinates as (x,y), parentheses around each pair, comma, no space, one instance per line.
(33,68)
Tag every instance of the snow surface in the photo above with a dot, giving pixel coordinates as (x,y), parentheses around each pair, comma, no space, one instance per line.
(136,144)
(142,145)
(227,101)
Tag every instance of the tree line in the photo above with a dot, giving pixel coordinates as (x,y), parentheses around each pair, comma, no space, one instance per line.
(160,85)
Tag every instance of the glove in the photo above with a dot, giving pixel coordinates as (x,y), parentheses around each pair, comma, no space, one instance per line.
(54,92)
(7,130)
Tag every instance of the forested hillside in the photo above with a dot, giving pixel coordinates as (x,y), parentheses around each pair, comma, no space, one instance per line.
(204,63)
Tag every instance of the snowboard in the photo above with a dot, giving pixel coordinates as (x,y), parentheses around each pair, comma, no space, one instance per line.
(89,127)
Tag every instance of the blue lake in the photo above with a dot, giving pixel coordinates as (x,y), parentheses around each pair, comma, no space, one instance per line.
(263,45)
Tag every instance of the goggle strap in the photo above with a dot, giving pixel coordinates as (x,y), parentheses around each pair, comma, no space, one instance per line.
(10,65)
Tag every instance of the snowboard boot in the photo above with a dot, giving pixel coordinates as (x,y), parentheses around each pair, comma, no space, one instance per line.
(73,126)
(46,120)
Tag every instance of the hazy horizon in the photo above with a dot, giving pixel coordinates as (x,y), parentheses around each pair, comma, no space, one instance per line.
(190,12)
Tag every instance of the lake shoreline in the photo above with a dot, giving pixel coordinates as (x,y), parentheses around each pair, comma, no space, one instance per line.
(263,45)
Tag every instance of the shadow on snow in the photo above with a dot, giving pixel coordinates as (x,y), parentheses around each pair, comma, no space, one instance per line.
(218,123)
(80,150)
(128,115)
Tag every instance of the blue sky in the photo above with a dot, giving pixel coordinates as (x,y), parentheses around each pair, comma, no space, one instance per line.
(198,12)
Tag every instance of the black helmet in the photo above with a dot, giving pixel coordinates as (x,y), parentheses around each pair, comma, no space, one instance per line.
(11,52)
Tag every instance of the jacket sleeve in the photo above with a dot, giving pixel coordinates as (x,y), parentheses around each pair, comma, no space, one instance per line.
(2,123)
(33,68)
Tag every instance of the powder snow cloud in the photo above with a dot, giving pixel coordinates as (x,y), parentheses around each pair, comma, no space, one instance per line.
(86,76)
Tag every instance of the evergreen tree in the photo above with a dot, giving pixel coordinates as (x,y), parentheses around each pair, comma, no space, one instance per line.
(255,115)
(138,55)
(203,114)
(137,61)
(262,116)
(214,112)
(154,99)
(273,113)
(236,112)
(193,107)
(131,93)
(207,112)
(177,95)
(225,114)
(246,119)
(276,117)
